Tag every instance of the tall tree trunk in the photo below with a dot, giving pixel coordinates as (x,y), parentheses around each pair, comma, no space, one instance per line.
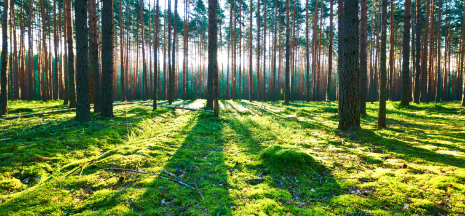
(250,55)
(330,53)
(65,63)
(416,96)
(340,30)
(55,40)
(363,60)
(424,58)
(173,71)
(258,90)
(30,55)
(349,102)
(4,81)
(71,87)
(382,72)
(121,35)
(438,37)
(288,49)
(107,59)
(155,58)
(406,93)
(93,56)
(144,64)
(212,55)
(390,86)
(82,64)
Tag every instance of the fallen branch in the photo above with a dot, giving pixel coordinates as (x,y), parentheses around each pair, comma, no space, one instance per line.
(258,110)
(154,174)
(198,190)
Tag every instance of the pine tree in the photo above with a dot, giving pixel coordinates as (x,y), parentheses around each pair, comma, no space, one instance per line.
(82,64)
(4,81)
(382,72)
(107,59)
(406,93)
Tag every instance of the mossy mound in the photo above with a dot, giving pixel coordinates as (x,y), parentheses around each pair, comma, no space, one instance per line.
(279,157)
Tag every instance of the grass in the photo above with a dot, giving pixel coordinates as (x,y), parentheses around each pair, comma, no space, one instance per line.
(251,161)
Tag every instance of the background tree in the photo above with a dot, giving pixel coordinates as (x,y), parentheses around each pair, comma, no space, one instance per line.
(382,72)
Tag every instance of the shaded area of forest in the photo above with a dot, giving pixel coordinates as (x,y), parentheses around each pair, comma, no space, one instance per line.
(258,158)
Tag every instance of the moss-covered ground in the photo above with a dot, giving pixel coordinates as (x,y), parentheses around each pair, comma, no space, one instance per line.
(256,159)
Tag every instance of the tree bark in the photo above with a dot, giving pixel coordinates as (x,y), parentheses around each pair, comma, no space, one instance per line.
(71,86)
(107,59)
(82,64)
(416,96)
(406,93)
(288,49)
(4,81)
(382,72)
(349,103)
(363,60)
(93,56)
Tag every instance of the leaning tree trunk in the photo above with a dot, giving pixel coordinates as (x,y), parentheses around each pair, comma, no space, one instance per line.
(107,59)
(382,72)
(349,103)
(406,93)
(82,64)
(4,81)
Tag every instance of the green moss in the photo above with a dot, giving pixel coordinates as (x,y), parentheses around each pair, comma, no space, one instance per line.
(248,162)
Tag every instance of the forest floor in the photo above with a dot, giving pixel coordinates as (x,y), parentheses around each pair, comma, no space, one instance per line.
(256,159)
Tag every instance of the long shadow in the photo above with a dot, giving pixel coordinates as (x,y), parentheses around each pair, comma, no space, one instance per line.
(35,150)
(292,177)
(199,162)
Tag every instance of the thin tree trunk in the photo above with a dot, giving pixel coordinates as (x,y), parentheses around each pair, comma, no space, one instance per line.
(438,37)
(4,81)
(363,60)
(416,96)
(382,74)
(93,56)
(71,87)
(330,54)
(406,93)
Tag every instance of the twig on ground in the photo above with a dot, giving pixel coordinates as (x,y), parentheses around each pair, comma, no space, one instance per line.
(195,184)
(258,110)
(154,174)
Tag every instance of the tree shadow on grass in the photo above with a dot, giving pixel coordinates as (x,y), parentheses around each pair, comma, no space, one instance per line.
(45,159)
(287,180)
(199,162)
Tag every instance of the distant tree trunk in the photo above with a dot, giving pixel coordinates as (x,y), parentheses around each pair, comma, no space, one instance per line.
(173,71)
(416,96)
(122,77)
(288,49)
(93,56)
(363,60)
(144,64)
(71,87)
(185,70)
(424,58)
(438,64)
(155,51)
(4,81)
(330,53)
(107,59)
(340,30)
(258,90)
(349,102)
(406,93)
(250,55)
(30,55)
(55,65)
(382,72)
(65,58)
(307,54)
(169,77)
(390,92)
(82,65)
(212,55)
